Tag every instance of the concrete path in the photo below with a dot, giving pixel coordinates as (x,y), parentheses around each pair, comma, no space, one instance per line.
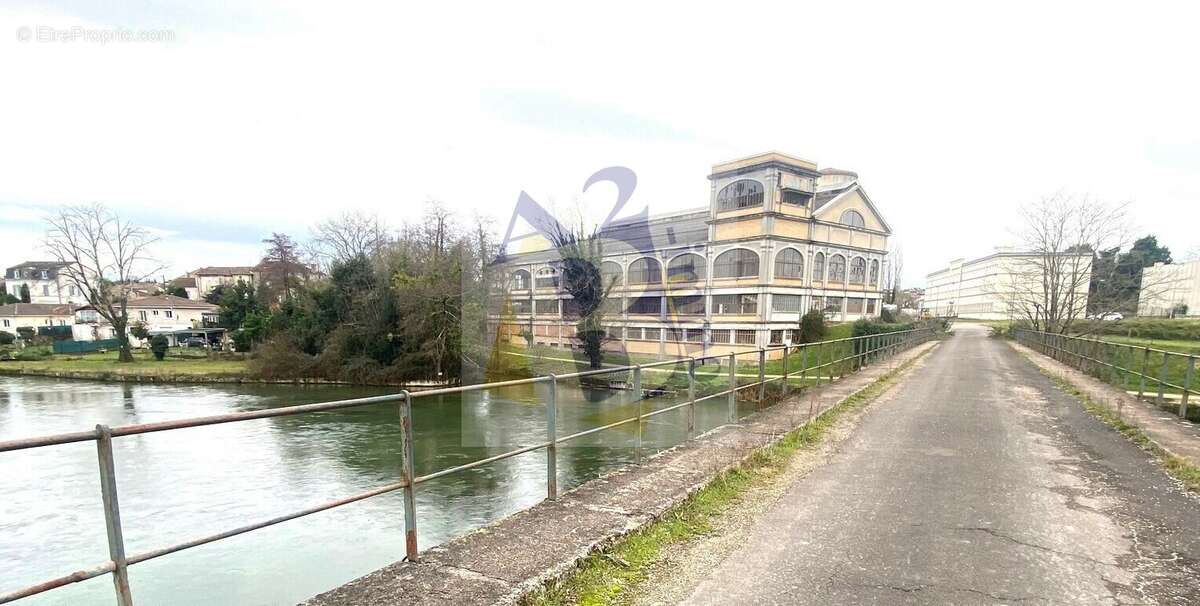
(977,481)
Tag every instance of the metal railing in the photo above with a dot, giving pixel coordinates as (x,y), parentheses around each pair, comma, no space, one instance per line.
(833,358)
(1121,364)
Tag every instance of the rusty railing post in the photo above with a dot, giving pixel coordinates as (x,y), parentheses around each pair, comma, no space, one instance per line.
(112,515)
(1187,386)
(691,411)
(1145,369)
(787,351)
(1162,379)
(803,366)
(407,476)
(732,388)
(637,394)
(762,376)
(552,440)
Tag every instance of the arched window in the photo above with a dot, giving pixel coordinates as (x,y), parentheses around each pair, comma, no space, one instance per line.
(853,218)
(736,263)
(645,271)
(740,194)
(789,263)
(520,280)
(547,277)
(610,273)
(874,273)
(686,268)
(819,267)
(837,268)
(858,270)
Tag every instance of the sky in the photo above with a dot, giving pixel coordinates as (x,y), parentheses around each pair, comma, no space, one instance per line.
(221,122)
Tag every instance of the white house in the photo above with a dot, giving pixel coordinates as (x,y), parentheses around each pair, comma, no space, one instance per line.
(208,278)
(164,314)
(45,281)
(34,315)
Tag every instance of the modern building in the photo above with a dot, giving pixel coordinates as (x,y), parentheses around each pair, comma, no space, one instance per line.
(47,284)
(1170,290)
(1005,285)
(778,237)
(34,315)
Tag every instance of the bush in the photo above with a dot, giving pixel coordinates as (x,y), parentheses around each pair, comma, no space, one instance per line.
(812,327)
(281,358)
(242,341)
(139,330)
(32,354)
(886,316)
(7,338)
(26,333)
(863,328)
(159,345)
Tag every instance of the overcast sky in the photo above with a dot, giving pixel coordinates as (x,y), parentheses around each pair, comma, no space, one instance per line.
(270,116)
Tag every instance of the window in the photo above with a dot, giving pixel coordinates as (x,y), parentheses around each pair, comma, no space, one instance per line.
(546,306)
(795,198)
(720,335)
(735,304)
(142,315)
(695,335)
(853,218)
(740,194)
(854,305)
(693,305)
(795,335)
(45,275)
(170,314)
(871,306)
(651,334)
(610,273)
(789,263)
(736,263)
(675,335)
(819,267)
(613,306)
(645,271)
(155,312)
(615,332)
(571,308)
(7,323)
(71,290)
(818,303)
(786,303)
(62,322)
(646,305)
(858,270)
(837,268)
(45,290)
(521,306)
(776,337)
(744,336)
(520,280)
(547,277)
(874,273)
(833,304)
(685,268)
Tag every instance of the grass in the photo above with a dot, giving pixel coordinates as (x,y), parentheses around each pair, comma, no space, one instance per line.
(1179,468)
(178,363)
(606,577)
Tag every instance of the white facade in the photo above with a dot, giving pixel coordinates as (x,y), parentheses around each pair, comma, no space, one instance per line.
(1002,286)
(45,282)
(162,314)
(33,315)
(208,278)
(1168,289)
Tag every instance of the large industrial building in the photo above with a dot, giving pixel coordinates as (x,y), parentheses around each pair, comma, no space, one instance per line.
(1005,285)
(778,237)
(1170,290)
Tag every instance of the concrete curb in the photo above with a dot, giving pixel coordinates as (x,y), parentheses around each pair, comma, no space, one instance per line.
(1174,436)
(500,563)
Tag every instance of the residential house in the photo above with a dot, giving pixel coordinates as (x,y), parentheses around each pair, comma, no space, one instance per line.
(163,314)
(46,282)
(188,285)
(208,278)
(34,315)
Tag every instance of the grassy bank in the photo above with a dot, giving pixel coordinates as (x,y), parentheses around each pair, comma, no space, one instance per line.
(1179,468)
(605,577)
(180,364)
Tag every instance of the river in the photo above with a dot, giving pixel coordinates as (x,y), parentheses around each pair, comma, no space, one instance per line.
(184,484)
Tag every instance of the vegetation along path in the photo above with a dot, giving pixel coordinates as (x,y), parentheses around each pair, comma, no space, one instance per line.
(976,481)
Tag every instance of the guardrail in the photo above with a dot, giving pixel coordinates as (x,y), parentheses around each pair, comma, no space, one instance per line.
(1120,364)
(834,357)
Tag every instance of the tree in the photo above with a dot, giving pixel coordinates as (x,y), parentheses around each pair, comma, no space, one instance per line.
(25,298)
(281,268)
(812,326)
(581,253)
(99,252)
(893,273)
(7,298)
(237,302)
(349,235)
(158,346)
(1048,287)
(139,330)
(177,291)
(1117,277)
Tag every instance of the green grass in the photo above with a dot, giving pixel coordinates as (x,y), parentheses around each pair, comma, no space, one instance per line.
(605,577)
(1179,468)
(179,363)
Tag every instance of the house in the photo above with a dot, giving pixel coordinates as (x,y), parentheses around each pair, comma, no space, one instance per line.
(208,278)
(34,315)
(162,314)
(1005,285)
(188,285)
(47,283)
(777,238)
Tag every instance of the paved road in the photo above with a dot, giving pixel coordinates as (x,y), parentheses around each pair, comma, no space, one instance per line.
(976,482)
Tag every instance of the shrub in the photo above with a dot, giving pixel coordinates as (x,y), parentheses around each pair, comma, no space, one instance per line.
(7,338)
(886,316)
(32,354)
(812,327)
(281,358)
(158,345)
(139,330)
(242,341)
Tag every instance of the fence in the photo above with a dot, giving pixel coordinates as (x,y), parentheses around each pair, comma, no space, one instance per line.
(1123,365)
(833,358)
(69,347)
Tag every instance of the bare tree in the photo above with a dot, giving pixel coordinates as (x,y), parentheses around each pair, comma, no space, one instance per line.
(893,273)
(282,269)
(102,254)
(348,235)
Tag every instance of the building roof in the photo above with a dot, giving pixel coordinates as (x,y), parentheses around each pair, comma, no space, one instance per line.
(170,301)
(35,309)
(223,271)
(184,282)
(38,265)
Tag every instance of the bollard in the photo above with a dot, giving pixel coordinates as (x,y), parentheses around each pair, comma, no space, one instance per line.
(407,476)
(552,440)
(1187,386)
(112,515)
